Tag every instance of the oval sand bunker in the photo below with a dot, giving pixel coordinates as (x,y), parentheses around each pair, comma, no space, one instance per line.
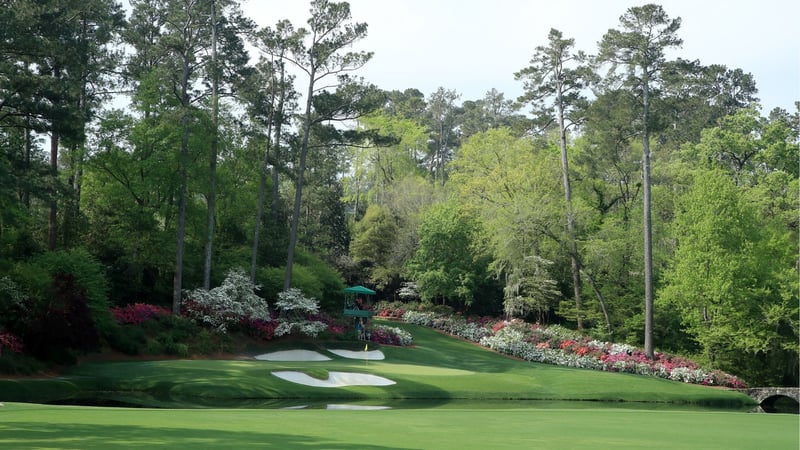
(293,355)
(335,379)
(373,355)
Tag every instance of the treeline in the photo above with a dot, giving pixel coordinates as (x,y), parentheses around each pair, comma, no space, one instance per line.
(639,198)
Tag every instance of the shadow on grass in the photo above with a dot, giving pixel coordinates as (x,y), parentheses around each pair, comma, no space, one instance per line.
(39,435)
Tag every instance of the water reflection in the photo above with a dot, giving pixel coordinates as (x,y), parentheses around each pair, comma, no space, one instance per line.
(148,401)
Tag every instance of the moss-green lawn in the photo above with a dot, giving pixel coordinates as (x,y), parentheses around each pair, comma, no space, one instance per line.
(449,394)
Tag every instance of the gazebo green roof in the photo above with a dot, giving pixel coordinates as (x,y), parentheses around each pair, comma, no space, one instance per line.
(359,290)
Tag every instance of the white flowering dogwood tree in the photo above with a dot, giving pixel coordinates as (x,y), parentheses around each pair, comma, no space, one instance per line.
(228,303)
(293,311)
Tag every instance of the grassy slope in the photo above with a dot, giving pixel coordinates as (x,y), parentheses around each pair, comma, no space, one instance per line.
(438,367)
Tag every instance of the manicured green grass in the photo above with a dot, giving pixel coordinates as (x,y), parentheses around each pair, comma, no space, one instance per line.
(438,367)
(429,377)
(30,426)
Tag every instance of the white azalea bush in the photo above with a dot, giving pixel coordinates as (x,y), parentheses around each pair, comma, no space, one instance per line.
(419,318)
(383,334)
(294,309)
(233,301)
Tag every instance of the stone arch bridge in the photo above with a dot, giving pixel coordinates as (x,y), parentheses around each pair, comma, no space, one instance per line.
(766,396)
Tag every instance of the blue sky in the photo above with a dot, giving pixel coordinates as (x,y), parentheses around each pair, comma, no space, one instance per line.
(472,46)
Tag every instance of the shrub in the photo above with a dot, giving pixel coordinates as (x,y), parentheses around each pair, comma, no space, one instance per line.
(303,327)
(294,311)
(20,364)
(62,323)
(137,313)
(227,304)
(9,341)
(383,334)
(419,318)
(329,280)
(130,340)
(390,310)
(259,328)
(38,278)
(206,342)
(12,303)
(303,279)
(294,304)
(309,274)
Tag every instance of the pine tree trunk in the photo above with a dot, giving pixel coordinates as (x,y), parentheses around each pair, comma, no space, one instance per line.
(648,229)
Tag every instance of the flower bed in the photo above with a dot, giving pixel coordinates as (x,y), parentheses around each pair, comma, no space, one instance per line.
(564,347)
(382,334)
(137,313)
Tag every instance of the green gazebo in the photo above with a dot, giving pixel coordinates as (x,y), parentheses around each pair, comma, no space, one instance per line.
(355,300)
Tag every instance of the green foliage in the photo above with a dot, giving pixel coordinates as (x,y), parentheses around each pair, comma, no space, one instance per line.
(376,169)
(20,364)
(329,279)
(126,339)
(514,189)
(307,281)
(67,305)
(374,238)
(448,264)
(271,281)
(726,278)
(311,275)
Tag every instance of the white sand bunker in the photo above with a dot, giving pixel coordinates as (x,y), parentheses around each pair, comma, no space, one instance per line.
(358,407)
(345,407)
(335,379)
(293,355)
(372,355)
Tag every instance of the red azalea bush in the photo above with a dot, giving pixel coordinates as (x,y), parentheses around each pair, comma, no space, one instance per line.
(390,310)
(336,326)
(259,328)
(138,313)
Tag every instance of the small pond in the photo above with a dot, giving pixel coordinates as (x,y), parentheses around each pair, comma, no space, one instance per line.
(147,401)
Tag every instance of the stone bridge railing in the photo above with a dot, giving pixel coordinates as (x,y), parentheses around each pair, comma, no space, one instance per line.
(766,396)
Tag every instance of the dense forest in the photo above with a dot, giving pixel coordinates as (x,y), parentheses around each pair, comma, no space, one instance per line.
(145,151)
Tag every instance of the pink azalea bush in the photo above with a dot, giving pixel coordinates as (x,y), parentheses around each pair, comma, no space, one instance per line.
(137,313)
(561,346)
(9,341)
